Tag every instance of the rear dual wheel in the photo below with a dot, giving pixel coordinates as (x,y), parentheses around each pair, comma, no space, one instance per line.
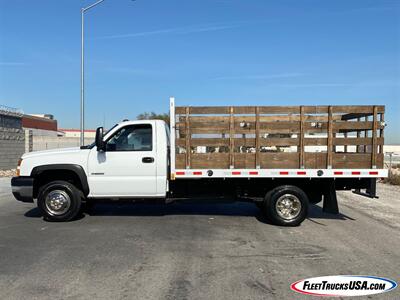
(286,205)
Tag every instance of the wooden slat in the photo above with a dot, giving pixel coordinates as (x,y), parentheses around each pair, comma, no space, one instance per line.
(358,136)
(180,161)
(244,109)
(333,144)
(322,109)
(345,109)
(279,160)
(250,131)
(315,160)
(210,160)
(205,130)
(353,116)
(245,160)
(279,109)
(316,141)
(269,142)
(330,138)
(287,126)
(279,142)
(194,142)
(257,137)
(179,110)
(365,134)
(346,125)
(355,141)
(381,133)
(231,139)
(204,110)
(374,132)
(272,118)
(341,109)
(187,137)
(292,130)
(205,125)
(293,125)
(247,142)
(355,109)
(301,152)
(201,119)
(351,160)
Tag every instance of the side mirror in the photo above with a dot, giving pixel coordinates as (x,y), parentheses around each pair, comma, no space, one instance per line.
(99,139)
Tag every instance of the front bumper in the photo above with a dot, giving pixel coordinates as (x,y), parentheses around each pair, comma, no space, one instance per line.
(22,188)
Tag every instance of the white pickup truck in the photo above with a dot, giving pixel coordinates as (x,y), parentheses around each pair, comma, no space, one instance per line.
(145,159)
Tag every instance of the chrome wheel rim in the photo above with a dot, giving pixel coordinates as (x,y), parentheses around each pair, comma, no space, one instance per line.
(57,202)
(288,206)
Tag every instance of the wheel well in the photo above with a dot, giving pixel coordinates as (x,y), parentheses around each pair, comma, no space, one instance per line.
(47,176)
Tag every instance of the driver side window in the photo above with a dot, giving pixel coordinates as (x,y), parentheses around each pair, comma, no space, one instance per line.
(132,138)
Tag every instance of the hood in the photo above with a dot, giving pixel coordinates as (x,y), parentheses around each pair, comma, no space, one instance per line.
(52,151)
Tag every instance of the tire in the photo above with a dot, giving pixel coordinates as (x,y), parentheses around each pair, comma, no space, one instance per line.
(291,196)
(59,201)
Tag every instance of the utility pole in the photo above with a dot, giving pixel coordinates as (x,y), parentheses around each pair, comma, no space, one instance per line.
(83,10)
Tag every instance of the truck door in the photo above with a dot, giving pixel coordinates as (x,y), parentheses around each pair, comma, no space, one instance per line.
(127,168)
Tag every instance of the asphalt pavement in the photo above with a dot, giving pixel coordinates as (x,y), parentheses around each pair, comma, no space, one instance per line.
(192,250)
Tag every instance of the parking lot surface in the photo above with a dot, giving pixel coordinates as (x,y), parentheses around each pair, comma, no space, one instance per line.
(192,250)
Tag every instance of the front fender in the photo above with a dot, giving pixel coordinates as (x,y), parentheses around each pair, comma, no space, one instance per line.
(77,169)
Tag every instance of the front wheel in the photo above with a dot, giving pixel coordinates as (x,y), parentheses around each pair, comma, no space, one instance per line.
(286,205)
(59,201)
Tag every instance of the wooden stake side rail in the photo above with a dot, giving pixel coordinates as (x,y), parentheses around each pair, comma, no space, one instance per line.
(279,137)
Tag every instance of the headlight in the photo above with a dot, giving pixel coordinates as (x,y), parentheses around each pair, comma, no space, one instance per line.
(19,166)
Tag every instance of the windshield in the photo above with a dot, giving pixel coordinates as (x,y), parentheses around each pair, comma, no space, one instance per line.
(90,146)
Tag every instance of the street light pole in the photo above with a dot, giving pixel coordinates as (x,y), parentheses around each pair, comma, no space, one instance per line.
(83,10)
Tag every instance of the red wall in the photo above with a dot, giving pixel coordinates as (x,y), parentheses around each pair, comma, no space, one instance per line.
(39,123)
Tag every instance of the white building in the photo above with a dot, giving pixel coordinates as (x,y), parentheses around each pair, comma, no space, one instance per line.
(89,133)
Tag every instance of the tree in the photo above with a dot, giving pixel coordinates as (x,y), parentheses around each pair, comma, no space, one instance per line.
(153,116)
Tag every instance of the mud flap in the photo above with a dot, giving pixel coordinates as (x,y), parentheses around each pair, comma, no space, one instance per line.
(330,204)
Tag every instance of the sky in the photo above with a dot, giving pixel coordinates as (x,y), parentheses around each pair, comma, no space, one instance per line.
(209,52)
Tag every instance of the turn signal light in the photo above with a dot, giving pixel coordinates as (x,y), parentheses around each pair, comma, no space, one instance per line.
(19,167)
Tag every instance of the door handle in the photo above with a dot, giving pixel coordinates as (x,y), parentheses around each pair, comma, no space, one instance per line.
(148,160)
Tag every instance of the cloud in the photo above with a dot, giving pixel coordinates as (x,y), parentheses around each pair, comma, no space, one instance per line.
(177,30)
(261,76)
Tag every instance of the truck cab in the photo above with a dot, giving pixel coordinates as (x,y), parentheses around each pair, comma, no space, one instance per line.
(129,161)
(132,161)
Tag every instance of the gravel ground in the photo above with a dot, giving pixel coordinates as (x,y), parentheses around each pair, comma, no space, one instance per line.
(8,173)
(192,250)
